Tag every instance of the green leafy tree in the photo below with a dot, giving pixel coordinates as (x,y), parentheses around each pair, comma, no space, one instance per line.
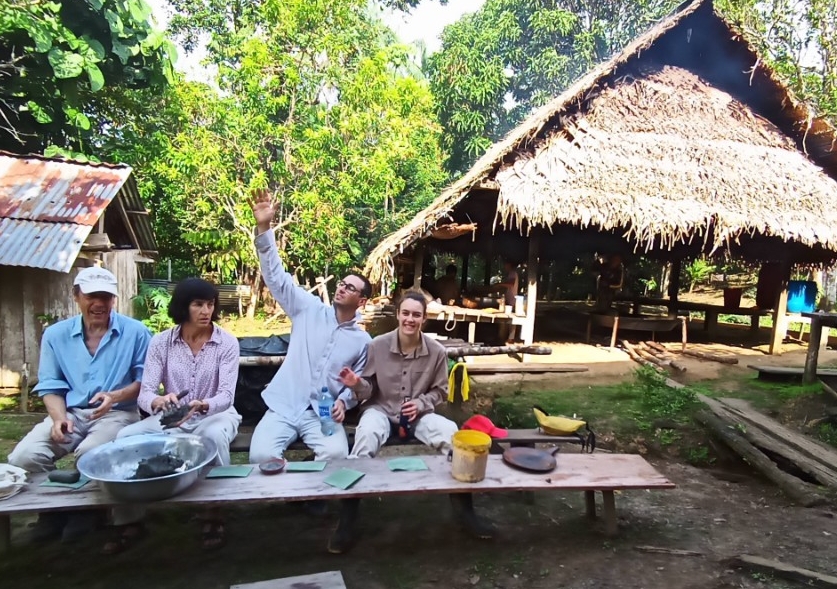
(55,56)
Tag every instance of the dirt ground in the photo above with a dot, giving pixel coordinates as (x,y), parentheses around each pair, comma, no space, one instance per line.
(412,542)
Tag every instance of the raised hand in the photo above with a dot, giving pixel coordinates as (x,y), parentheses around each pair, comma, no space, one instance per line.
(263,207)
(348,377)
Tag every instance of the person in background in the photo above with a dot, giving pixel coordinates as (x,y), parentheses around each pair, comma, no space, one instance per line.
(404,380)
(609,282)
(89,376)
(447,286)
(510,287)
(196,362)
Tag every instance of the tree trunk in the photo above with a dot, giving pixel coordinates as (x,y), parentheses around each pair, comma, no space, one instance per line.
(255,293)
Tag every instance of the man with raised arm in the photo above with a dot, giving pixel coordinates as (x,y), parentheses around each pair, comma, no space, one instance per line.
(324,339)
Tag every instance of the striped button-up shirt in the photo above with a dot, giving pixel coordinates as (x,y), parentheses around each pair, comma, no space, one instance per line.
(210,375)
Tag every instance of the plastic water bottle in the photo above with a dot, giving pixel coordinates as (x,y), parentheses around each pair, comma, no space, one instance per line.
(326,401)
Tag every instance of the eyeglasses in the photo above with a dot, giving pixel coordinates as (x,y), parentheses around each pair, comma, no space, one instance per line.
(349,287)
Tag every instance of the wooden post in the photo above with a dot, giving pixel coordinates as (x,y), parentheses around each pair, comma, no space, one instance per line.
(419,265)
(463,281)
(812,357)
(674,286)
(590,503)
(613,333)
(780,312)
(527,332)
(486,279)
(609,510)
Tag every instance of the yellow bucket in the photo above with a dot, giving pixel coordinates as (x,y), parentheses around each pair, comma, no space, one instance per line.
(469,456)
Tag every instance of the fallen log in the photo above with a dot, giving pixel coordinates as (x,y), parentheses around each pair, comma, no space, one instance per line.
(711,357)
(672,551)
(636,357)
(797,490)
(786,571)
(665,359)
(455,352)
(659,347)
(652,358)
(825,455)
(824,475)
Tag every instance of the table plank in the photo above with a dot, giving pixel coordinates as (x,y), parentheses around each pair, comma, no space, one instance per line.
(329,580)
(603,472)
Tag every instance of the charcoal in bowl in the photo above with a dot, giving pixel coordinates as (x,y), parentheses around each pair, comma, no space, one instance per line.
(157,466)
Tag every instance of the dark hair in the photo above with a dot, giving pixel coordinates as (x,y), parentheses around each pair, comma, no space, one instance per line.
(412,295)
(366,290)
(451,269)
(188,290)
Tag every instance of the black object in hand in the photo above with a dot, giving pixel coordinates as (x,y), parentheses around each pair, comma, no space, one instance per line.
(173,415)
(66,477)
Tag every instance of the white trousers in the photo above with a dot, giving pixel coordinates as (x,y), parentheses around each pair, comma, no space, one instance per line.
(221,428)
(375,427)
(275,433)
(37,452)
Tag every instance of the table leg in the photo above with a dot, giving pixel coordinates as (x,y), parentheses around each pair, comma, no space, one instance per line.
(472,332)
(590,503)
(754,324)
(589,329)
(710,323)
(609,505)
(5,533)
(613,333)
(811,358)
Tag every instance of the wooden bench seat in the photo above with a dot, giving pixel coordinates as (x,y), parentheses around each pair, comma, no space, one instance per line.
(517,437)
(605,473)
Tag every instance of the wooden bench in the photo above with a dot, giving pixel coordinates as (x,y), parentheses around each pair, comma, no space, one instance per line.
(516,437)
(589,473)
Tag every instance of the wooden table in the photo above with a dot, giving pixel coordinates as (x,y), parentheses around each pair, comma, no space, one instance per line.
(636,323)
(452,315)
(815,342)
(575,472)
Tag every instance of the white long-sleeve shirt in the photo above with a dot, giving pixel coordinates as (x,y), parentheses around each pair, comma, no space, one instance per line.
(319,348)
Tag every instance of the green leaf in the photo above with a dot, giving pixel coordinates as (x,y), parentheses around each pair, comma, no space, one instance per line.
(64,64)
(114,22)
(97,79)
(140,11)
(38,113)
(95,4)
(42,39)
(96,48)
(123,52)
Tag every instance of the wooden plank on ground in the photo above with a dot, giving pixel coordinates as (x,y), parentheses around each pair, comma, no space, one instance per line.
(575,472)
(528,368)
(823,474)
(814,449)
(329,580)
(790,370)
(785,570)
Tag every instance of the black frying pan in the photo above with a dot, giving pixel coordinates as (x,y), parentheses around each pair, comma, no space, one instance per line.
(530,459)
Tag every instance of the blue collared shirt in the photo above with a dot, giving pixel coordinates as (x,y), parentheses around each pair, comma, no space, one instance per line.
(319,348)
(66,367)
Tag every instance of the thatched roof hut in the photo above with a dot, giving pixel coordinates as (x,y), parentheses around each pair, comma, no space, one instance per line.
(683,143)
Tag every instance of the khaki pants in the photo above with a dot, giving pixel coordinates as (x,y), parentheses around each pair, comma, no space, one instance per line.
(221,428)
(375,427)
(37,452)
(274,434)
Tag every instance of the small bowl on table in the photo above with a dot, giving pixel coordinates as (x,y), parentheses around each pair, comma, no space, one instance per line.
(272,466)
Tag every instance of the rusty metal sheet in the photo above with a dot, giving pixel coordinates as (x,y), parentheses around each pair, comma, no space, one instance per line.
(42,189)
(37,244)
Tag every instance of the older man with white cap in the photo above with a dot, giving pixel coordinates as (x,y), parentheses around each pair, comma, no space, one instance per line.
(88,378)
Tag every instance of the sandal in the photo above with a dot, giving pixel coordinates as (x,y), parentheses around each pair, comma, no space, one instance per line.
(122,538)
(213,535)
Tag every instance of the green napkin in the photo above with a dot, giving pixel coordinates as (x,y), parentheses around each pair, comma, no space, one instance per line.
(406,463)
(225,472)
(83,480)
(307,466)
(343,478)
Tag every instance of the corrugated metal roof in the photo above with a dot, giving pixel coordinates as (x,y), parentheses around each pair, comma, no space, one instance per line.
(48,208)
(38,244)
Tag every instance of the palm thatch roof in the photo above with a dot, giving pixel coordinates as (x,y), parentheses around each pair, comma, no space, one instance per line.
(683,136)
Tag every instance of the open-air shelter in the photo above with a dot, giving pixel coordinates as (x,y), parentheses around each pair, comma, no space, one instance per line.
(685,143)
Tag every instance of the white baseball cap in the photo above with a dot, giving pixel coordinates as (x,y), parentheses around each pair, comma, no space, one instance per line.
(90,280)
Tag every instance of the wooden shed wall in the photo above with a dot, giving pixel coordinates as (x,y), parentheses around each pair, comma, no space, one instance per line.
(27,293)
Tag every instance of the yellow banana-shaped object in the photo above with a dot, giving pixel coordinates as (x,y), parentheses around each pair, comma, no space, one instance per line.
(557,425)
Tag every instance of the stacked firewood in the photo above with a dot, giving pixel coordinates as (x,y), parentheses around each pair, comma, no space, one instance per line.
(659,357)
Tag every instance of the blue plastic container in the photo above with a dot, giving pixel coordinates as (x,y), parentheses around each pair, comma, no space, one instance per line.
(802,296)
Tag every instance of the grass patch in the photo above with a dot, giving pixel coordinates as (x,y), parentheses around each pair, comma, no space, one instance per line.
(763,394)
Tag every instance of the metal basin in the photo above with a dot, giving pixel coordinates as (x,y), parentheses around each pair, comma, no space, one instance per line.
(112,465)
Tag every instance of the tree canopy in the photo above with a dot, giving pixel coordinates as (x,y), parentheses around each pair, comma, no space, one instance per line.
(54,56)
